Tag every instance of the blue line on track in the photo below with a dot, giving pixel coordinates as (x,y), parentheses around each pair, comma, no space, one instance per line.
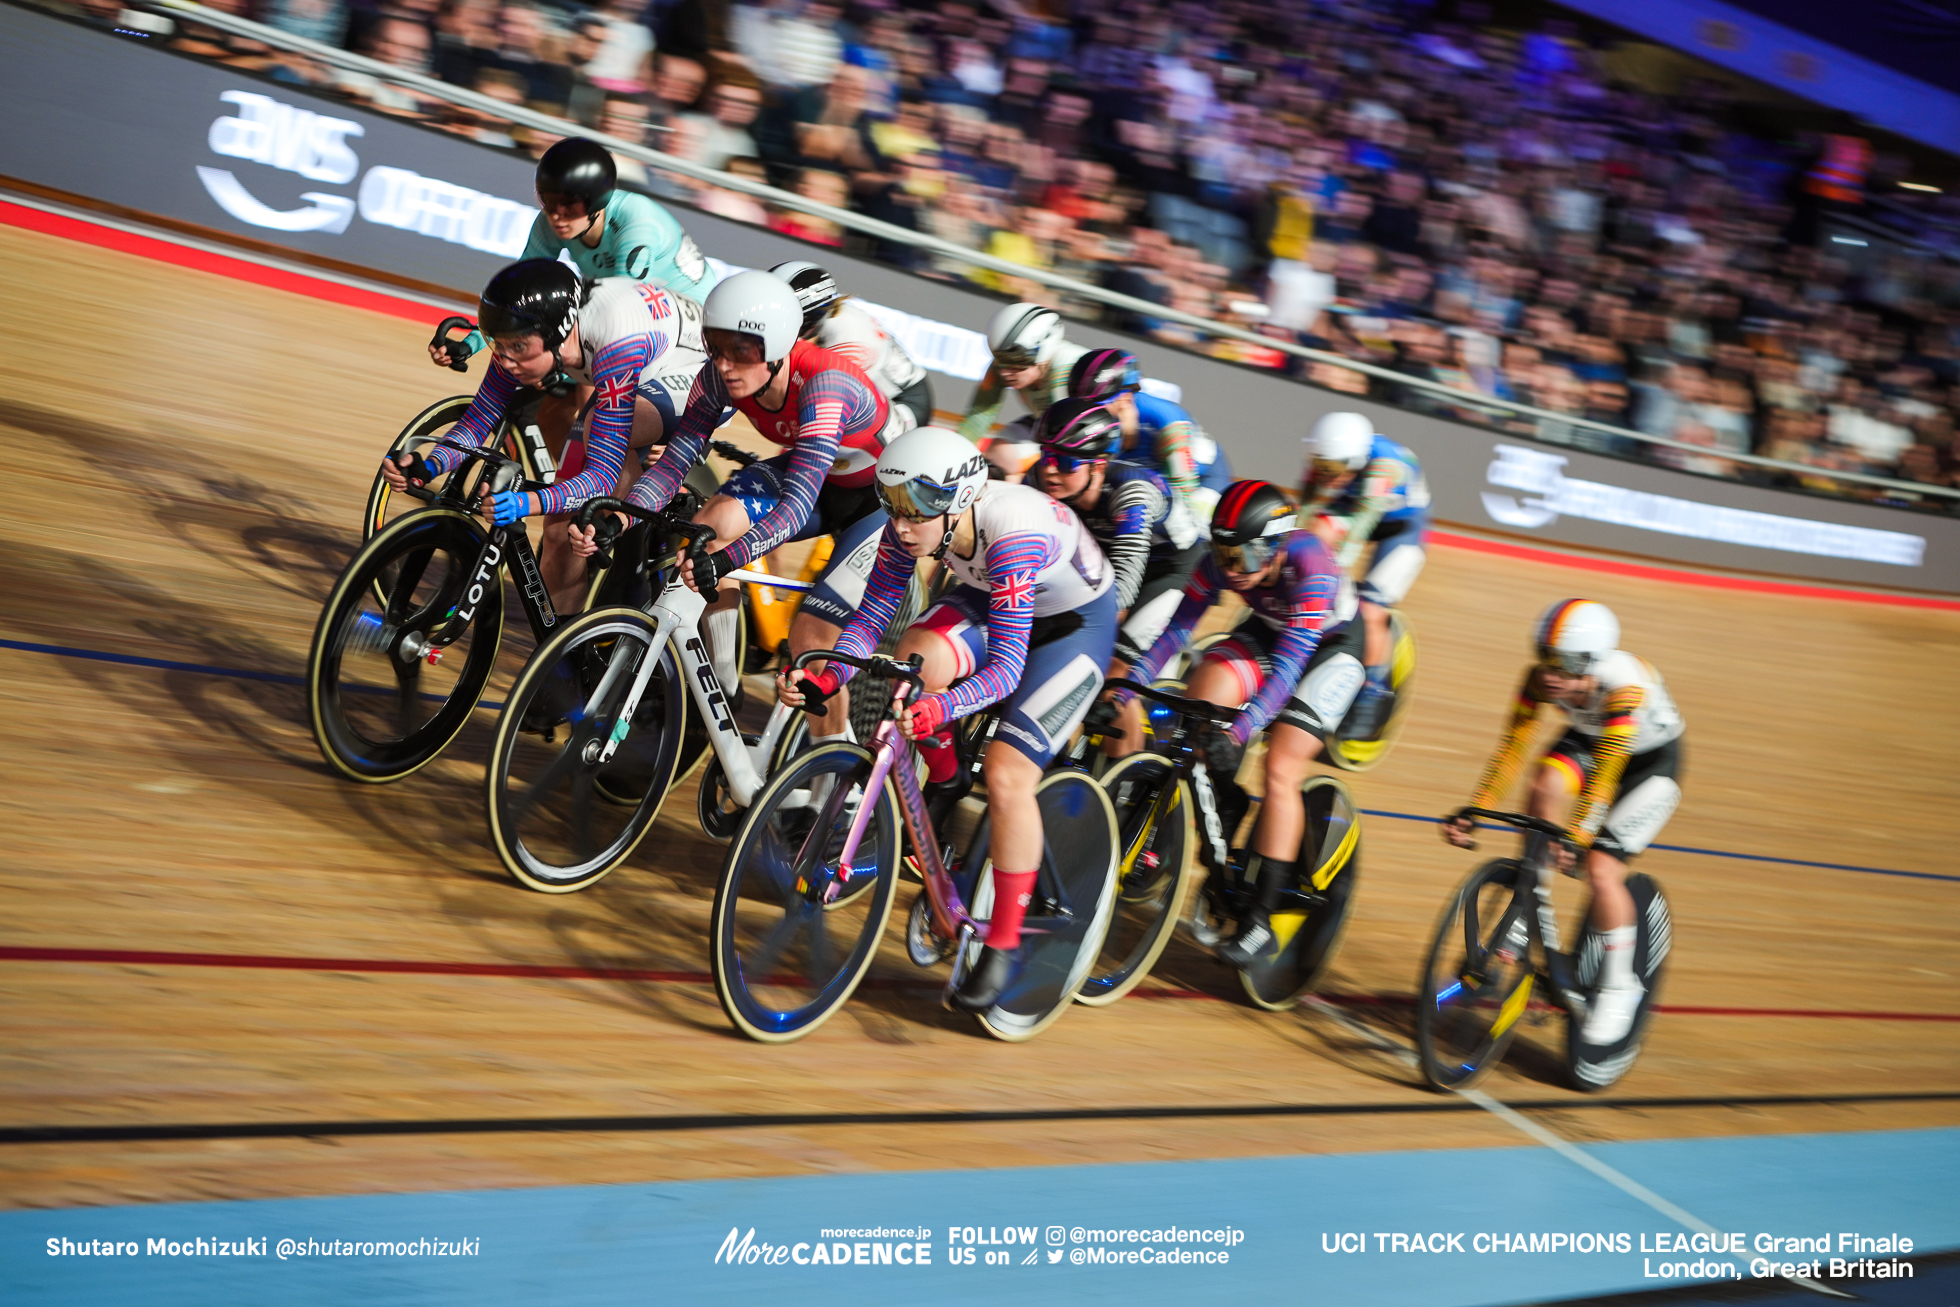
(165,664)
(203,669)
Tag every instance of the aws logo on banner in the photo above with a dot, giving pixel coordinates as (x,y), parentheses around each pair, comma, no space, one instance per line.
(317,147)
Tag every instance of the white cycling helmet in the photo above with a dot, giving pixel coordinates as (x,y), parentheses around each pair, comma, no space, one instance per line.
(1022,335)
(816,289)
(930,472)
(760,304)
(1573,634)
(1345,439)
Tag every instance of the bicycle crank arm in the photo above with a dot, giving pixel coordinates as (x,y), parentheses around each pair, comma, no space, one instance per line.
(958,977)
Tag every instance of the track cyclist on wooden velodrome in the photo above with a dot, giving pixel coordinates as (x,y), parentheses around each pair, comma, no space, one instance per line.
(1613,779)
(829,418)
(586,221)
(1274,662)
(1030,625)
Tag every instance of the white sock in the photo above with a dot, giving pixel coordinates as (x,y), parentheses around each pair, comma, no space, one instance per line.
(1617,973)
(845,734)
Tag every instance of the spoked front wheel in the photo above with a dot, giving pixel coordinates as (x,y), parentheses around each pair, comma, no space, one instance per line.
(1159,842)
(1312,914)
(574,782)
(1476,982)
(1069,916)
(382,697)
(789,940)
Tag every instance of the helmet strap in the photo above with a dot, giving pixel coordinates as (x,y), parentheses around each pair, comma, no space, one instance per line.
(592,219)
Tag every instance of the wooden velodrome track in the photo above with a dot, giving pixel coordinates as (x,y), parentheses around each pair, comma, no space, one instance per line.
(189,455)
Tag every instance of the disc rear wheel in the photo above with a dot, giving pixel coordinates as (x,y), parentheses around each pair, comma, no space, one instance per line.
(1312,914)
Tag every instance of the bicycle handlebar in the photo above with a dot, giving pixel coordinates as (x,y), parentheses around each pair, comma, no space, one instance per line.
(1523,821)
(679,521)
(1216,714)
(882,664)
(458,351)
(734,453)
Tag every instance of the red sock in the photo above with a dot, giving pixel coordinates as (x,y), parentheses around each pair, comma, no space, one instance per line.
(942,759)
(1012,890)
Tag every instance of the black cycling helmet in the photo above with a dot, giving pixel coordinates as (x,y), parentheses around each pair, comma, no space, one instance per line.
(579,169)
(1247,525)
(1103,374)
(536,296)
(816,290)
(1078,429)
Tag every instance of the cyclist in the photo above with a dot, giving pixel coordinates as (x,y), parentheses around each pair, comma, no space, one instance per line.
(1150,540)
(1363,486)
(586,221)
(832,321)
(1154,429)
(1274,662)
(1030,626)
(1620,759)
(828,416)
(627,341)
(1032,355)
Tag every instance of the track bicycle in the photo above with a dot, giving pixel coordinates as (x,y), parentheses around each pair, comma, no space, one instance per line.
(1497,943)
(1172,811)
(792,934)
(409,634)
(600,712)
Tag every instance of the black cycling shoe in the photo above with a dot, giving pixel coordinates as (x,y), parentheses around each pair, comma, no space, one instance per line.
(984,985)
(1254,941)
(1370,712)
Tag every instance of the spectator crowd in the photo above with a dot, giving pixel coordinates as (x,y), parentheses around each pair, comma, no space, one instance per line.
(1414,186)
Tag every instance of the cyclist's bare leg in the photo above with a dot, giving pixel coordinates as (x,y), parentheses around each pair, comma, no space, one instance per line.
(565,573)
(1283,814)
(1011,777)
(1374,620)
(1553,793)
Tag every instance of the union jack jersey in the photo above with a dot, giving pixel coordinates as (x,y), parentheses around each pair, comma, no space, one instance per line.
(1032,558)
(632,337)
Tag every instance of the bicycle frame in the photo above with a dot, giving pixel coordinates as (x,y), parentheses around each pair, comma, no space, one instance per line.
(1542,918)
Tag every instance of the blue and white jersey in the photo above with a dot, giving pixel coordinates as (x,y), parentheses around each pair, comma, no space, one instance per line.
(1137,519)
(1390,489)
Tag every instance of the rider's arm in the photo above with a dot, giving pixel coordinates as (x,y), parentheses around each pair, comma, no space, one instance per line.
(609,427)
(1292,649)
(1174,456)
(883,590)
(980,414)
(1013,563)
(1381,479)
(819,426)
(479,422)
(663,480)
(1504,765)
(1609,764)
(1199,595)
(1134,507)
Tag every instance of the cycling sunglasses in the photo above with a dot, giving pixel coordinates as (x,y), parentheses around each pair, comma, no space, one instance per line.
(1064,463)
(1326,470)
(1568,664)
(1250,557)
(917,501)
(735,346)
(1014,358)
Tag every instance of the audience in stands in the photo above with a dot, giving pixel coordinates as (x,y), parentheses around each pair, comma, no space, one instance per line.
(1403,184)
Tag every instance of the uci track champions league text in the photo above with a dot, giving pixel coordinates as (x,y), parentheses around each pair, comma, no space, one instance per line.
(1663,1254)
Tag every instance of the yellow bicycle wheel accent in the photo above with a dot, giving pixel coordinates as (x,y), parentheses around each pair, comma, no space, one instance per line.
(1361,755)
(1514,1006)
(1331,867)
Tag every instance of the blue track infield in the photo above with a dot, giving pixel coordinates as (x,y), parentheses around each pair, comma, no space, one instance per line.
(657,1244)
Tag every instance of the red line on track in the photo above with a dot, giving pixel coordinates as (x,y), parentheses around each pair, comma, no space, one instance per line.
(533,971)
(1682,576)
(223,265)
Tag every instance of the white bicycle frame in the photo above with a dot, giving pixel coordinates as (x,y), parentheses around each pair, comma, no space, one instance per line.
(679,609)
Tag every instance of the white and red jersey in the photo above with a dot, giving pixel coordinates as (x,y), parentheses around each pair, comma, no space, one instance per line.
(861,338)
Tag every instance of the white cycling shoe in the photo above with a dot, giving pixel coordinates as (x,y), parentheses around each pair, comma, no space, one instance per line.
(1611,1014)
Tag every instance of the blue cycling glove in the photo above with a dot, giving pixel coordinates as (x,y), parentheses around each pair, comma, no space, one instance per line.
(507,506)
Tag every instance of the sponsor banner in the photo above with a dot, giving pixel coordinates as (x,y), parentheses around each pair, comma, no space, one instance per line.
(118,121)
